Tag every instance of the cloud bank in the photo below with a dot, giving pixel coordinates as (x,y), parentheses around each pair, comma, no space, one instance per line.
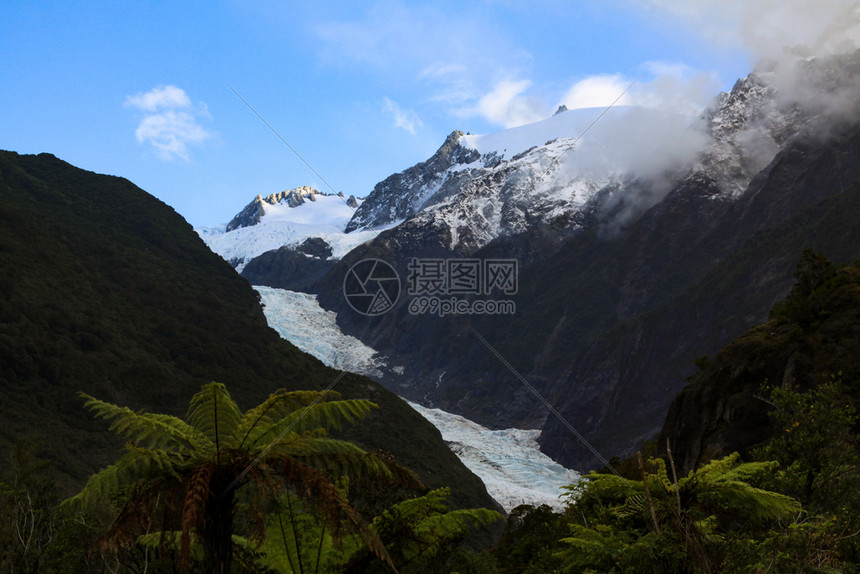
(769,29)
(170,122)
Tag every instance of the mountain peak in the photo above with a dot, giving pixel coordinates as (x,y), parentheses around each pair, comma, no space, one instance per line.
(401,195)
(254,211)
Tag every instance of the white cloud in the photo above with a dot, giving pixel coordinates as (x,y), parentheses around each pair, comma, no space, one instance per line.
(406,119)
(455,53)
(170,121)
(452,83)
(597,92)
(162,97)
(505,105)
(674,87)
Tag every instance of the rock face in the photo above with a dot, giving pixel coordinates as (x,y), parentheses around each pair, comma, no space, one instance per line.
(624,280)
(254,211)
(293,269)
(402,194)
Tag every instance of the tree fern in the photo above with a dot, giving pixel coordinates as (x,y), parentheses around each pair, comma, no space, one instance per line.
(687,519)
(192,470)
(154,430)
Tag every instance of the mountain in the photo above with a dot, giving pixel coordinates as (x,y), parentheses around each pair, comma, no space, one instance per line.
(633,231)
(107,290)
(287,219)
(633,242)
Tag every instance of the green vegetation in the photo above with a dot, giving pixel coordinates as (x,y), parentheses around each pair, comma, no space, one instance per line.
(205,463)
(223,491)
(106,290)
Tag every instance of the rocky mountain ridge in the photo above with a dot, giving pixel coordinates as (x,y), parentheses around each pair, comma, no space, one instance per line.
(252,213)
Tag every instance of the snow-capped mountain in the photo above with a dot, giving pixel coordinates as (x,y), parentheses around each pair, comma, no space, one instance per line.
(288,218)
(563,172)
(614,232)
(480,187)
(617,220)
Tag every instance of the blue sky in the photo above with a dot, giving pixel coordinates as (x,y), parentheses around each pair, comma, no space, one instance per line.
(360,89)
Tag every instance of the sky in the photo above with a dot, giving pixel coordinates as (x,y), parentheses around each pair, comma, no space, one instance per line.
(200,103)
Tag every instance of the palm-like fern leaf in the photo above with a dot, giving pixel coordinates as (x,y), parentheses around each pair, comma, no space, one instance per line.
(214,413)
(136,465)
(319,415)
(150,429)
(279,404)
(333,456)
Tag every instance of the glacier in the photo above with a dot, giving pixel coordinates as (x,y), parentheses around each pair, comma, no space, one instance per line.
(509,461)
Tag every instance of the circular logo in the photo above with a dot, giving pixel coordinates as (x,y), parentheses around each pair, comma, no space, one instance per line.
(371,286)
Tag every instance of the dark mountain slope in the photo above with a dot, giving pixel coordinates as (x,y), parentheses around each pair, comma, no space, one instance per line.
(643,362)
(811,336)
(107,290)
(705,293)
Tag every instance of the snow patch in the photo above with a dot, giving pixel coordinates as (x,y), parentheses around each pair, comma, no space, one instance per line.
(325,217)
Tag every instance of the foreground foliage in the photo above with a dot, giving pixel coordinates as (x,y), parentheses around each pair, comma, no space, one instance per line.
(670,524)
(195,475)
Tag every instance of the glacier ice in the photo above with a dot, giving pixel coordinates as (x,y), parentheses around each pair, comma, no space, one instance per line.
(509,461)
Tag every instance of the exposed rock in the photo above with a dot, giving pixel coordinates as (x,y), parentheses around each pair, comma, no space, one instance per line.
(288,268)
(254,211)
(315,247)
(402,194)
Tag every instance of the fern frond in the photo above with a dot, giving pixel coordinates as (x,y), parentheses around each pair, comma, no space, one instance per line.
(438,529)
(610,487)
(149,429)
(414,509)
(661,474)
(633,505)
(754,503)
(321,415)
(136,465)
(320,494)
(215,414)
(277,406)
(750,471)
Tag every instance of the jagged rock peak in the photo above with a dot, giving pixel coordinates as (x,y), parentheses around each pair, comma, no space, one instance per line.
(252,212)
(400,195)
(561,108)
(293,197)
